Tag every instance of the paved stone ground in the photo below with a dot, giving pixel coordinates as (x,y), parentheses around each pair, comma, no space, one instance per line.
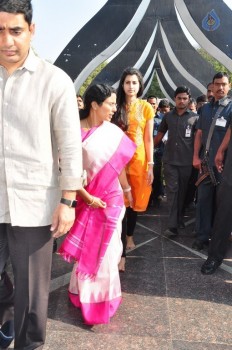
(167,303)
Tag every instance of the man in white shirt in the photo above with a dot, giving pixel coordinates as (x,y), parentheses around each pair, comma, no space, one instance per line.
(39,116)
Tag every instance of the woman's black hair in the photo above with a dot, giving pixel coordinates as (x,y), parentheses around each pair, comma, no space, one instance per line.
(120,117)
(95,93)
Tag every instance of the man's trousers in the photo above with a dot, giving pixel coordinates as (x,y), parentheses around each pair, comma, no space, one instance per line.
(30,251)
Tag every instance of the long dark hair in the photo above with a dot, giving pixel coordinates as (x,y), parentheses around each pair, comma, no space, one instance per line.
(95,93)
(120,117)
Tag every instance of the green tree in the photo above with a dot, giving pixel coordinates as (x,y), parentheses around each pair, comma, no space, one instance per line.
(154,88)
(91,77)
(218,67)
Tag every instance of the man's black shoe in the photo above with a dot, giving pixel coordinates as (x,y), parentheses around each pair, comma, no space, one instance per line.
(171,232)
(193,233)
(210,266)
(199,245)
(181,225)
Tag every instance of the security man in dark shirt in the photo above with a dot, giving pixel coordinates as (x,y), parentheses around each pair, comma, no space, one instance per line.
(178,154)
(206,192)
(222,227)
(157,185)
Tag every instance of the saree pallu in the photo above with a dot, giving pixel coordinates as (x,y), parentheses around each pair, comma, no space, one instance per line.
(139,113)
(95,284)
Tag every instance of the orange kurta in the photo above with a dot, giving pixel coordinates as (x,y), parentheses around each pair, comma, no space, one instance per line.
(138,114)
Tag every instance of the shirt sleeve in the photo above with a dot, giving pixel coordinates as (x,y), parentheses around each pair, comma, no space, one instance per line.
(199,121)
(67,132)
(163,125)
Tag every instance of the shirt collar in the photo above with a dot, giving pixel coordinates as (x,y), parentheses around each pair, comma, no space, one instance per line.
(186,111)
(219,102)
(31,62)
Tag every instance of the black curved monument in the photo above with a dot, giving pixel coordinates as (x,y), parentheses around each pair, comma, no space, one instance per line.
(147,34)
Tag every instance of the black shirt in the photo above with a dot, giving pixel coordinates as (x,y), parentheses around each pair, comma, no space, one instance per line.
(227,172)
(205,119)
(179,147)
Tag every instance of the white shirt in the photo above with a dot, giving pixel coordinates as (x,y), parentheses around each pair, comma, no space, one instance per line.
(39,115)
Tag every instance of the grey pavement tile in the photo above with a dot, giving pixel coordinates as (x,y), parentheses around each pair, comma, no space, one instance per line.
(167,303)
(182,345)
(200,321)
(199,306)
(137,315)
(90,341)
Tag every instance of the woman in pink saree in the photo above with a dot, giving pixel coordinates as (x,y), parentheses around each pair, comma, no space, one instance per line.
(94,241)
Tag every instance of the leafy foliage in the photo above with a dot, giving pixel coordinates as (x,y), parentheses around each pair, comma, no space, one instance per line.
(154,89)
(218,67)
(91,77)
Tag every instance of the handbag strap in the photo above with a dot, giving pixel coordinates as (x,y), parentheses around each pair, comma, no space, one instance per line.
(212,126)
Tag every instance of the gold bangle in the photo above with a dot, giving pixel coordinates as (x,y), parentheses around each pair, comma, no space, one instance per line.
(92,201)
(150,163)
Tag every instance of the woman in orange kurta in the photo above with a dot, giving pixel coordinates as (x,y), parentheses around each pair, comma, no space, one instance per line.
(135,117)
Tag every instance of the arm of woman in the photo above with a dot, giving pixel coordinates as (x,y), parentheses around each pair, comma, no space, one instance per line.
(90,200)
(126,187)
(149,149)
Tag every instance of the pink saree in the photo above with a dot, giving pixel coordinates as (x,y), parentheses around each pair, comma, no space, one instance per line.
(94,242)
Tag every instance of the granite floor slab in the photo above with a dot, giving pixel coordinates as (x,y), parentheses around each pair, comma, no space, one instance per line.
(167,303)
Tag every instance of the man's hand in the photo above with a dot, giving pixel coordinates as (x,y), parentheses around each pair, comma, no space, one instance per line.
(219,161)
(62,221)
(197,163)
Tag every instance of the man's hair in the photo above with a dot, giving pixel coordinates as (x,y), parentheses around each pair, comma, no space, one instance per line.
(202,98)
(192,100)
(163,103)
(151,97)
(221,75)
(18,6)
(181,90)
(209,84)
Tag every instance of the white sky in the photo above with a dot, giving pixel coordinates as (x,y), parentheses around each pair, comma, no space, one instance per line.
(58,21)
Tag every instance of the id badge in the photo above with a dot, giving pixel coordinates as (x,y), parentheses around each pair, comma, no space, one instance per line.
(188,132)
(221,122)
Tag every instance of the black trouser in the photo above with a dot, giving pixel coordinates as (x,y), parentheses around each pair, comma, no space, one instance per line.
(6,287)
(128,226)
(176,179)
(191,190)
(222,227)
(205,211)
(157,185)
(4,250)
(31,257)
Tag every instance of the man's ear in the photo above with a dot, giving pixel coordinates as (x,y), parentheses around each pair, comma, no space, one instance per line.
(32,29)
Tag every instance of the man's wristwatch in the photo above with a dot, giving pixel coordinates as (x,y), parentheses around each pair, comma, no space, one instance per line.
(70,203)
